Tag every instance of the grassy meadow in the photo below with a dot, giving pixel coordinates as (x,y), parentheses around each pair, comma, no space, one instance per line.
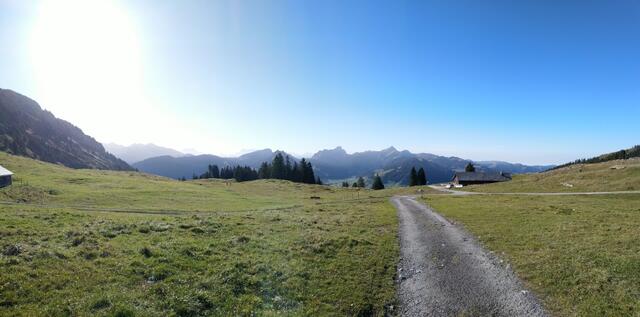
(619,175)
(579,253)
(102,243)
(87,242)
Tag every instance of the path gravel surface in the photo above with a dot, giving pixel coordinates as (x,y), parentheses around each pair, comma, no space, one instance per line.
(462,192)
(444,271)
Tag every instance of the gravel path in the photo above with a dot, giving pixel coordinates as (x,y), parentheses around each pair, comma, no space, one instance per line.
(443,271)
(464,193)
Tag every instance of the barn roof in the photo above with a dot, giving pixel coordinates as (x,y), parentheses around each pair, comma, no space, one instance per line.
(4,171)
(480,177)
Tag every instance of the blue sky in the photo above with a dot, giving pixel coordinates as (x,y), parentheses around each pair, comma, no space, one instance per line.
(529,81)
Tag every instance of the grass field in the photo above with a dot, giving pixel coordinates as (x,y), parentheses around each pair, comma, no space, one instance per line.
(620,175)
(52,185)
(86,242)
(579,253)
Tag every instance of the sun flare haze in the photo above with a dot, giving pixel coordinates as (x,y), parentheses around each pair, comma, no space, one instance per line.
(224,76)
(87,64)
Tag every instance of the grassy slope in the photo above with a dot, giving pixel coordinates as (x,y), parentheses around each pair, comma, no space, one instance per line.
(583,177)
(580,253)
(260,247)
(43,183)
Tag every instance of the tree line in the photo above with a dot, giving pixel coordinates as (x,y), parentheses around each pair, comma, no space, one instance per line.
(281,167)
(357,184)
(376,184)
(618,155)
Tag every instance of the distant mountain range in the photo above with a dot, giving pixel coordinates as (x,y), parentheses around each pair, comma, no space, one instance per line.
(138,152)
(394,166)
(186,166)
(28,130)
(337,165)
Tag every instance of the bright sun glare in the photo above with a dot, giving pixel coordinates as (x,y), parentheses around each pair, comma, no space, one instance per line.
(86,59)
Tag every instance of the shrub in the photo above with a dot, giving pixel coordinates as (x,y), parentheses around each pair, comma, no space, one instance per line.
(101,304)
(146,252)
(12,250)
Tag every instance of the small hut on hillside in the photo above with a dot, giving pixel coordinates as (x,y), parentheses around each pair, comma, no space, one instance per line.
(5,177)
(471,178)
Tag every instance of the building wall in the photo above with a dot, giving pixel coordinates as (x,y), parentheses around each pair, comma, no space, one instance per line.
(5,181)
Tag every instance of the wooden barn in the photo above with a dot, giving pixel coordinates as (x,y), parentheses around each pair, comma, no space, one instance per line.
(5,177)
(472,178)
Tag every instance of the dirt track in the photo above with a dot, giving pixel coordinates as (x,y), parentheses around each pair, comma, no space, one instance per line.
(463,193)
(443,271)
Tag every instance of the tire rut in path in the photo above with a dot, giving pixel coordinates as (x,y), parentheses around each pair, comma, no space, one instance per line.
(443,270)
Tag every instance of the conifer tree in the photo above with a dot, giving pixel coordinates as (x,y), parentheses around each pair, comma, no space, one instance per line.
(377,183)
(215,171)
(318,181)
(422,177)
(226,172)
(296,173)
(277,167)
(264,171)
(288,169)
(354,185)
(308,174)
(244,173)
(302,171)
(361,182)
(470,168)
(413,177)
(345,184)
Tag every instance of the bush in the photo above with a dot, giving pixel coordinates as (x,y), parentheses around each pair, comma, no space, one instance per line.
(146,252)
(124,312)
(101,304)
(12,250)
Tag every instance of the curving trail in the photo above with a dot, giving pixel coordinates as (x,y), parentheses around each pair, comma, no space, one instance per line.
(443,271)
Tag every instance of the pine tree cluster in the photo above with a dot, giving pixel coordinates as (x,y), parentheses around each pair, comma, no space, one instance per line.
(377,183)
(418,178)
(281,167)
(358,184)
(469,168)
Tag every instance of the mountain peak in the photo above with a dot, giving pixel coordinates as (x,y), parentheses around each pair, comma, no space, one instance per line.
(267,150)
(137,152)
(337,153)
(338,149)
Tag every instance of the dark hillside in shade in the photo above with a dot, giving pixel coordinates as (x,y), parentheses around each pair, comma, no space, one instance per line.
(27,130)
